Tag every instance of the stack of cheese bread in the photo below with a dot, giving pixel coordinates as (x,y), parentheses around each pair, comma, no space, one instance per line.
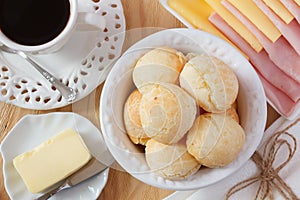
(184,111)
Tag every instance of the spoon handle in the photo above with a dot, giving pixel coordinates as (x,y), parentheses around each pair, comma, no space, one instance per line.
(68,93)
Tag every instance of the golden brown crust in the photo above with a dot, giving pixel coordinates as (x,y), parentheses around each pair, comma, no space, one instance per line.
(132,119)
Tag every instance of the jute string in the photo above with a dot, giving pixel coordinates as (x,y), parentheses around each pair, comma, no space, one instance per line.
(268,178)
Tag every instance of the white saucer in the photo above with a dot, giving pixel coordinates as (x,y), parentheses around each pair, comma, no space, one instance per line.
(83,63)
(31,130)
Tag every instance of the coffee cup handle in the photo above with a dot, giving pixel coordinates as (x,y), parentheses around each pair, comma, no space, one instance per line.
(88,19)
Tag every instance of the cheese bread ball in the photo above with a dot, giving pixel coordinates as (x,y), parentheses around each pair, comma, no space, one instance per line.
(167,112)
(162,64)
(215,140)
(170,161)
(211,82)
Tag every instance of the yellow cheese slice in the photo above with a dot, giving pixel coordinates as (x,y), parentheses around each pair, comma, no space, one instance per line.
(52,161)
(298,2)
(196,12)
(257,17)
(240,28)
(280,10)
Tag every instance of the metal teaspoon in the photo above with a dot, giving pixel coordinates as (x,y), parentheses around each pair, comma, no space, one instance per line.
(68,93)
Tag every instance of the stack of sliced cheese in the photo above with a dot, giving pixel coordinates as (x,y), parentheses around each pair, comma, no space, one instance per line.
(266,31)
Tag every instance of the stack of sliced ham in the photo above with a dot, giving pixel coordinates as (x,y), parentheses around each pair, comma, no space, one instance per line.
(278,64)
(281,90)
(291,31)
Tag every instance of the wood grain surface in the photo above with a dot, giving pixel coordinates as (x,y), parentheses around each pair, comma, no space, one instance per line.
(120,185)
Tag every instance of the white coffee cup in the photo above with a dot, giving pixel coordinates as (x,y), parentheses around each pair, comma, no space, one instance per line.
(83,17)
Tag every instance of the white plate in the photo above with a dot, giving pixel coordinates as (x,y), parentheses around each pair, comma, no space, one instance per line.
(32,130)
(83,63)
(165,4)
(251,105)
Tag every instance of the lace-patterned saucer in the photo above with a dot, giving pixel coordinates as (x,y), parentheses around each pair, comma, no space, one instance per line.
(83,63)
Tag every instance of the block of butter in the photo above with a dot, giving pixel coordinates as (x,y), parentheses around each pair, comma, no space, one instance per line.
(52,161)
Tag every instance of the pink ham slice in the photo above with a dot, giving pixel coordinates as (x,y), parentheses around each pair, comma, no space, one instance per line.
(280,52)
(294,9)
(290,31)
(260,60)
(284,105)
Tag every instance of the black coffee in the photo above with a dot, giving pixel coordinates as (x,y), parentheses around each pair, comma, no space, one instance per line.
(33,22)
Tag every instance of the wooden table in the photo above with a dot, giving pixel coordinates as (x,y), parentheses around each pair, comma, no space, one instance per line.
(120,185)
